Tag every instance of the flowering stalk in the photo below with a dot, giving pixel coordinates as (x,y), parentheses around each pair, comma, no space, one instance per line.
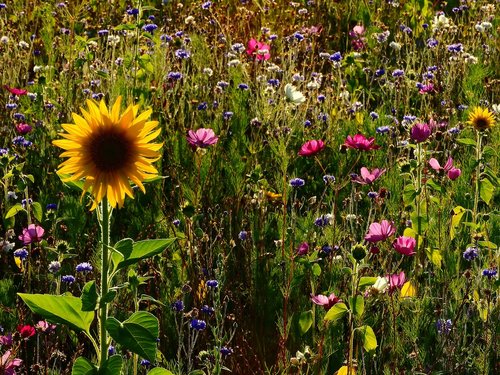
(104,222)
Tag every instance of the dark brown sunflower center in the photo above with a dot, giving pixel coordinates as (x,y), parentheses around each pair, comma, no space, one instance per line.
(110,150)
(481,123)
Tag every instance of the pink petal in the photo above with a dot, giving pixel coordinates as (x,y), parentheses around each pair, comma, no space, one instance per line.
(434,164)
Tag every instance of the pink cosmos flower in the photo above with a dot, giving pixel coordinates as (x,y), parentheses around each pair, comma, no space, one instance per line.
(380,232)
(425,89)
(368,177)
(44,326)
(326,302)
(405,245)
(6,340)
(8,364)
(34,233)
(452,172)
(359,30)
(303,249)
(259,49)
(202,138)
(311,148)
(23,128)
(396,281)
(15,91)
(359,142)
(420,132)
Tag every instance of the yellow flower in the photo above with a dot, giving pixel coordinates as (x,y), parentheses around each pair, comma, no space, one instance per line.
(107,150)
(481,118)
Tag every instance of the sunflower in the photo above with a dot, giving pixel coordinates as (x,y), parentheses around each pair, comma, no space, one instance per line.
(481,118)
(107,150)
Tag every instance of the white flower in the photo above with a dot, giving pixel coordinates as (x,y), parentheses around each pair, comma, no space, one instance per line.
(381,284)
(4,39)
(496,108)
(113,40)
(23,44)
(479,27)
(188,20)
(395,45)
(293,95)
(208,71)
(312,85)
(440,22)
(234,62)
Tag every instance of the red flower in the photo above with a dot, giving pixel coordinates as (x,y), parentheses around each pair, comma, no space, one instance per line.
(359,142)
(259,49)
(15,91)
(311,148)
(26,331)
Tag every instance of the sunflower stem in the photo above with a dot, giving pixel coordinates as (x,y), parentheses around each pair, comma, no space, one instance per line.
(478,172)
(103,309)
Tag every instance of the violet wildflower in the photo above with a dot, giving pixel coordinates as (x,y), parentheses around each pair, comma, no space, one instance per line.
(54,266)
(205,309)
(51,207)
(336,57)
(150,28)
(471,253)
(328,179)
(243,86)
(178,305)
(225,351)
(198,324)
(111,350)
(212,284)
(444,326)
(176,222)
(227,115)
(21,253)
(398,73)
(174,76)
(84,267)
(145,363)
(68,279)
(490,273)
(182,54)
(297,182)
(243,235)
(323,220)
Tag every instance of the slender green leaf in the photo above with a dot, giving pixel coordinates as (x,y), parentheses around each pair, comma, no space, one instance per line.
(486,190)
(37,210)
(336,312)
(466,141)
(60,309)
(138,333)
(305,321)
(14,210)
(366,281)
(145,249)
(357,304)
(457,214)
(316,269)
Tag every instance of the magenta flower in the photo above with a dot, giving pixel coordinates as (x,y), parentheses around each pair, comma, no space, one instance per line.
(8,364)
(303,249)
(420,132)
(396,281)
(23,128)
(368,177)
(6,340)
(311,148)
(326,302)
(425,89)
(380,232)
(202,138)
(33,233)
(452,172)
(15,91)
(359,142)
(259,49)
(405,245)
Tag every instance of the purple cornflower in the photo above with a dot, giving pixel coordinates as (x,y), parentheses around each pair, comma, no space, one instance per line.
(336,57)
(202,106)
(206,5)
(68,279)
(471,253)
(212,284)
(374,115)
(178,305)
(182,54)
(323,220)
(298,36)
(243,86)
(444,326)
(19,117)
(379,72)
(205,309)
(297,182)
(54,266)
(21,253)
(198,325)
(225,351)
(132,11)
(273,82)
(84,267)
(174,76)
(328,179)
(223,84)
(243,235)
(490,272)
(321,98)
(431,43)
(398,73)
(150,27)
(455,48)
(227,115)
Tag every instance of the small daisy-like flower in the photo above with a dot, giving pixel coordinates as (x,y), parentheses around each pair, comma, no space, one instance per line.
(108,149)
(481,118)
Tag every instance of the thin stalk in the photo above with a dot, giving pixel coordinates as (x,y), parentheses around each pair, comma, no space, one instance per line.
(103,310)
(478,172)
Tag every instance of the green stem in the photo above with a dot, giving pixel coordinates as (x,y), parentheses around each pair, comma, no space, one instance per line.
(103,310)
(478,172)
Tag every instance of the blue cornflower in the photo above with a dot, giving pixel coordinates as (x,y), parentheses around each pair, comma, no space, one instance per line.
(54,266)
(374,115)
(176,222)
(178,305)
(223,84)
(326,249)
(206,5)
(103,32)
(336,57)
(150,27)
(444,326)
(462,107)
(145,363)
(51,207)
(273,82)
(205,309)
(198,324)
(431,42)
(243,235)
(212,284)
(111,350)
(165,38)
(174,76)
(19,117)
(202,106)
(379,72)
(471,253)
(398,73)
(225,351)
(323,220)
(68,279)
(21,253)
(490,272)
(372,194)
(227,115)
(298,36)
(133,11)
(23,202)
(321,98)
(11,105)
(4,151)
(84,267)
(243,86)
(328,179)
(455,48)
(182,54)
(297,182)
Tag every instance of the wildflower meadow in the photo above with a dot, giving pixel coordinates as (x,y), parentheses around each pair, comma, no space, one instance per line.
(249,187)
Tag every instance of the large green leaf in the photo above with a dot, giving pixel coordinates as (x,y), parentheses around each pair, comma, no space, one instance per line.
(486,190)
(37,210)
(14,210)
(144,249)
(357,305)
(112,366)
(89,296)
(160,371)
(368,337)
(60,309)
(366,281)
(305,321)
(457,214)
(336,312)
(83,366)
(138,333)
